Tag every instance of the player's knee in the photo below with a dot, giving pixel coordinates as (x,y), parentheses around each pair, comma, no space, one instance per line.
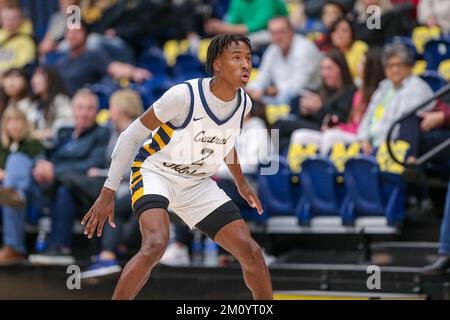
(153,248)
(253,255)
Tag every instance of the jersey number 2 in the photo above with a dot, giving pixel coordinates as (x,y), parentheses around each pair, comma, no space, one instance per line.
(208,153)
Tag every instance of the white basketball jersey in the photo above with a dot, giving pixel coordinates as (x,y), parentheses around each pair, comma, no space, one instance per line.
(197,148)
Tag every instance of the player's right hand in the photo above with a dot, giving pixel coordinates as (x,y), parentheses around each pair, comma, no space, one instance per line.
(102,209)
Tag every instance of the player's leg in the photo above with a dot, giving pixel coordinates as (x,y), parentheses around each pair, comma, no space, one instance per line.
(236,239)
(226,227)
(154,226)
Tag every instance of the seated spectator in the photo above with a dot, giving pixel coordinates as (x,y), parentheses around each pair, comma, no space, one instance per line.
(289,64)
(342,38)
(334,99)
(83,66)
(15,90)
(56,28)
(331,12)
(177,20)
(333,131)
(119,27)
(314,8)
(125,107)
(17,46)
(76,150)
(93,10)
(434,13)
(392,23)
(50,107)
(397,95)
(424,132)
(18,151)
(248,17)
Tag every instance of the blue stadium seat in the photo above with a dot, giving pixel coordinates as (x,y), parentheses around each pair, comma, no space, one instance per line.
(371,192)
(103,92)
(154,60)
(151,90)
(319,190)
(434,79)
(435,52)
(187,67)
(275,191)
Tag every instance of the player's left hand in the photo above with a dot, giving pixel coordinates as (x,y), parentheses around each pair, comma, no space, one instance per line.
(250,196)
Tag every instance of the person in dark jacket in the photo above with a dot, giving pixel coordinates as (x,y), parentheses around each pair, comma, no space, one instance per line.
(76,150)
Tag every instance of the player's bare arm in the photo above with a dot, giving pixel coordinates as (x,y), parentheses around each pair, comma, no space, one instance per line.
(103,207)
(232,161)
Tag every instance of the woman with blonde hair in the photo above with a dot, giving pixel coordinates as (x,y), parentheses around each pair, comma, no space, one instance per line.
(18,151)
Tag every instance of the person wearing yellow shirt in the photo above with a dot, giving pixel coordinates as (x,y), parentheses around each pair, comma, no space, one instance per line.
(17,46)
(342,38)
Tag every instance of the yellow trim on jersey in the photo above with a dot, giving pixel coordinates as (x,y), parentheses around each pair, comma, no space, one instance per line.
(137,164)
(135,175)
(168,130)
(136,182)
(149,150)
(137,195)
(159,141)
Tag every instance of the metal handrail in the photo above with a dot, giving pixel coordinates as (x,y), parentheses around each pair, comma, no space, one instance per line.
(431,153)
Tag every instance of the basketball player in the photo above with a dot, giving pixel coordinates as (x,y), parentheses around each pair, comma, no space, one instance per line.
(193,128)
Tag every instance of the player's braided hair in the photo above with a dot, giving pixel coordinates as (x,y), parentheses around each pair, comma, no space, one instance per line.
(219,44)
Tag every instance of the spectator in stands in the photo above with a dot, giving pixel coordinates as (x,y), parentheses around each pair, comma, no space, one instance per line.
(331,12)
(424,132)
(18,151)
(76,150)
(248,17)
(119,27)
(314,8)
(289,64)
(333,100)
(391,24)
(50,107)
(83,66)
(15,90)
(395,96)
(125,107)
(93,10)
(342,38)
(441,265)
(17,46)
(56,27)
(181,19)
(333,131)
(435,13)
